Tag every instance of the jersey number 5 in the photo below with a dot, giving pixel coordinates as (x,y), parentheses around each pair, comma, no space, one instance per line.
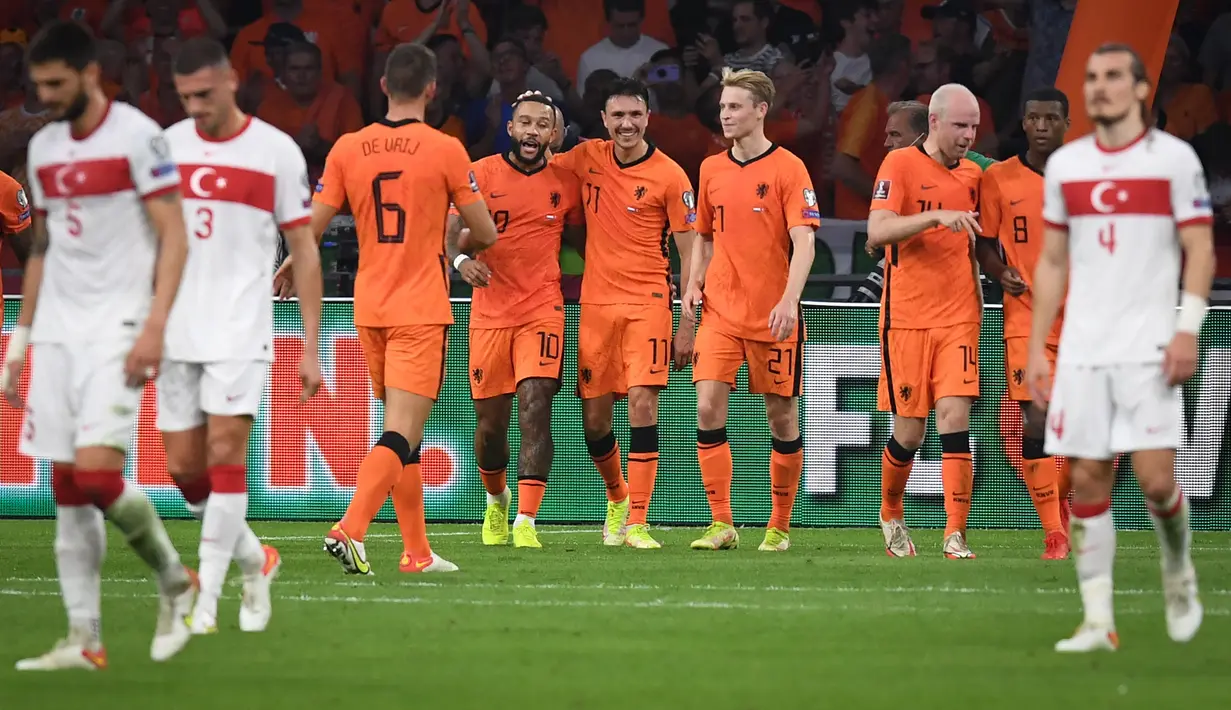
(384,234)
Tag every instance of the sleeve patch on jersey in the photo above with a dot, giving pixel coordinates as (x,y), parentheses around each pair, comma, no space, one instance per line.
(690,200)
(810,195)
(320,187)
(22,201)
(162,170)
(1203,203)
(692,217)
(160,149)
(474,183)
(882,189)
(812,214)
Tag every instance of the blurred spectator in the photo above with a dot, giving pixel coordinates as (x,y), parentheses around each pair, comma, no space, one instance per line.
(693,18)
(249,53)
(850,25)
(624,50)
(791,20)
(454,87)
(1050,21)
(673,125)
(1216,53)
(580,27)
(1189,107)
(161,102)
(860,147)
(279,37)
(113,64)
(933,68)
(750,20)
(888,20)
(311,109)
(546,76)
(12,68)
(598,85)
(87,12)
(510,67)
(18,125)
(132,20)
(406,20)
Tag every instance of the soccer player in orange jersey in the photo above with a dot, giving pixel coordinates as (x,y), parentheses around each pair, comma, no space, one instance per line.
(757,220)
(399,176)
(14,216)
(634,195)
(1011,213)
(923,212)
(517,315)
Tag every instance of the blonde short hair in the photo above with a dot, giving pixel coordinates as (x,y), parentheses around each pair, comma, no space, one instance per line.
(754,82)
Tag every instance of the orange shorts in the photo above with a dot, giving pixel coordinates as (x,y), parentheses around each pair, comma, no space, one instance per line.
(773,368)
(622,346)
(1016,355)
(500,358)
(919,367)
(405,357)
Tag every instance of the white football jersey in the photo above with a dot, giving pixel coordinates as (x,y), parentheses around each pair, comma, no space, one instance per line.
(98,274)
(1122,209)
(237,194)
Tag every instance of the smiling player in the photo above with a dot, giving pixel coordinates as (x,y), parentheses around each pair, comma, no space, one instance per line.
(757,220)
(517,314)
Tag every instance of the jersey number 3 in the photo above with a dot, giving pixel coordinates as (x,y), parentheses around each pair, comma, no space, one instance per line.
(385,211)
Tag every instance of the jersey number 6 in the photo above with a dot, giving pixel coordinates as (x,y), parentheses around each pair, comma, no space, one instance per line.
(398,234)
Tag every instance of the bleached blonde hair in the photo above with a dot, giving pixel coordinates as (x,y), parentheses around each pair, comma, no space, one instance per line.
(754,82)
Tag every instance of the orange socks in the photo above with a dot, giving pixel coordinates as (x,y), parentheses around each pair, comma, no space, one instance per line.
(605,453)
(1064,479)
(896,462)
(642,471)
(957,473)
(714,455)
(494,481)
(1039,471)
(379,472)
(408,503)
(785,466)
(530,496)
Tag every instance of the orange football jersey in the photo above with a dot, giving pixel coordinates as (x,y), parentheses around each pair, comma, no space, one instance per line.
(1011,210)
(530,210)
(929,278)
(629,211)
(14,206)
(399,179)
(749,210)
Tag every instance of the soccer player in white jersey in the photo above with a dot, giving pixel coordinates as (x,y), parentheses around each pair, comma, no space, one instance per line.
(1120,206)
(104,267)
(242,181)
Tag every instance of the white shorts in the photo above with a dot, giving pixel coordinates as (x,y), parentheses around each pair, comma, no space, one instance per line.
(189,391)
(1097,412)
(78,399)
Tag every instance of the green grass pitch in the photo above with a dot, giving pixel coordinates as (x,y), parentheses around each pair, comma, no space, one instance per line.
(831,624)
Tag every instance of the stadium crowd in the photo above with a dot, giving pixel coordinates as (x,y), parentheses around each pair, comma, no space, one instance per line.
(311,67)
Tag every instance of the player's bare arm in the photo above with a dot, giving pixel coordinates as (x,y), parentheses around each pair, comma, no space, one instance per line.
(309,285)
(988,254)
(692,284)
(1051,277)
(32,280)
(785,316)
(20,242)
(481,232)
(1180,358)
(472,271)
(284,281)
(886,227)
(166,215)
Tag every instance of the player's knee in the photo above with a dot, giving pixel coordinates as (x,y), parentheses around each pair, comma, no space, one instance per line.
(534,404)
(957,442)
(396,443)
(642,411)
(711,413)
(1157,486)
(597,424)
(225,449)
(783,419)
(955,417)
(909,433)
(600,445)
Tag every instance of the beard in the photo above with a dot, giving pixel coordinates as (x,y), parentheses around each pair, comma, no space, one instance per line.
(520,155)
(1108,120)
(76,108)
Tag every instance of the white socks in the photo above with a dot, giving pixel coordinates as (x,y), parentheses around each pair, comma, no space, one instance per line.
(1174,534)
(523,518)
(81,545)
(503,499)
(135,516)
(1094,541)
(249,553)
(221,533)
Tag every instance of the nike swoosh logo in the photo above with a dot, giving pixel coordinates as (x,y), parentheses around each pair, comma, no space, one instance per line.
(420,564)
(659,371)
(544,363)
(968,382)
(232,397)
(926,187)
(1015,203)
(779,382)
(595,172)
(496,195)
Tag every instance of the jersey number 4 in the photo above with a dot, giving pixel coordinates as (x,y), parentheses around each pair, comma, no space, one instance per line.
(386,210)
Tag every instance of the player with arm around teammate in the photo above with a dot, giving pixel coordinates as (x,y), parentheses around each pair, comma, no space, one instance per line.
(517,314)
(756,224)
(242,181)
(105,264)
(1121,206)
(633,196)
(399,176)
(923,212)
(1011,214)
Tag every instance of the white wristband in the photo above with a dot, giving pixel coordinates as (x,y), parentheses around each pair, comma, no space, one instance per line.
(1192,313)
(461,259)
(18,341)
